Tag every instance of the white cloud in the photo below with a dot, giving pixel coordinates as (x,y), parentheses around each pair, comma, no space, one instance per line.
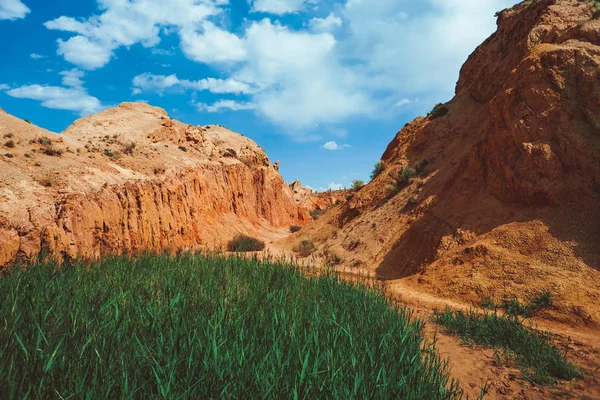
(71,97)
(225,105)
(72,78)
(36,56)
(125,23)
(4,86)
(333,146)
(277,6)
(158,83)
(213,45)
(405,50)
(304,83)
(366,59)
(402,102)
(327,24)
(13,9)
(83,52)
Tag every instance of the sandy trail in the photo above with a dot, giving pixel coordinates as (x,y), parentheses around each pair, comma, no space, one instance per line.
(476,367)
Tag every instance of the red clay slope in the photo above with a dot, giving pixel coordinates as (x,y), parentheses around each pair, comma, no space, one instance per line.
(509,203)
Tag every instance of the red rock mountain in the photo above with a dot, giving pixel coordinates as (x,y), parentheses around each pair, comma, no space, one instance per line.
(506,198)
(131,179)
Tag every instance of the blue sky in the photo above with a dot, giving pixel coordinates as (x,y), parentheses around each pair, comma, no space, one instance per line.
(321,85)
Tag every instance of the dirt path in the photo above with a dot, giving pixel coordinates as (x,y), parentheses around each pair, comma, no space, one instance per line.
(476,367)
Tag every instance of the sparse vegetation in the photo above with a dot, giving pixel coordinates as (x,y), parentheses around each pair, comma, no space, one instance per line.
(44,141)
(439,110)
(305,248)
(515,308)
(9,155)
(316,214)
(10,144)
(52,151)
(377,169)
(129,148)
(182,148)
(538,359)
(28,121)
(46,182)
(408,173)
(421,165)
(8,136)
(243,244)
(295,228)
(159,170)
(109,153)
(357,184)
(196,327)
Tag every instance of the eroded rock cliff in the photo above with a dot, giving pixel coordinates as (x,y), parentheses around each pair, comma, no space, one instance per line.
(506,194)
(131,179)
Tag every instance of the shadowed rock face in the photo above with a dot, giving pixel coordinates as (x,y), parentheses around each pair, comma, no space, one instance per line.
(509,201)
(131,179)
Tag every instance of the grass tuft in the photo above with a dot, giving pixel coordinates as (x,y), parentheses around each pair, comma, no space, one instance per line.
(305,248)
(243,243)
(538,359)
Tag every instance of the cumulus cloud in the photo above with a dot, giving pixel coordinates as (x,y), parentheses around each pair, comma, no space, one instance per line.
(72,96)
(225,105)
(333,146)
(327,24)
(158,83)
(13,9)
(304,83)
(212,45)
(368,58)
(125,23)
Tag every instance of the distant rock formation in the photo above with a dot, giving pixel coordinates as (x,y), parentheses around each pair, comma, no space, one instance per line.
(130,179)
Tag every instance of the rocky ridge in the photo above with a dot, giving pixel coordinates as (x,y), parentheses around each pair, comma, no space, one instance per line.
(502,194)
(131,179)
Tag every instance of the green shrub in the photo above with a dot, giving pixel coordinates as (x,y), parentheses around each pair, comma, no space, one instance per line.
(407,174)
(182,148)
(52,151)
(243,243)
(9,155)
(377,169)
(357,184)
(295,228)
(515,308)
(305,248)
(129,148)
(439,110)
(538,359)
(10,144)
(108,153)
(199,327)
(316,214)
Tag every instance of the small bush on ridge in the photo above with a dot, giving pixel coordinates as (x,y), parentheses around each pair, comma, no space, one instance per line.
(243,243)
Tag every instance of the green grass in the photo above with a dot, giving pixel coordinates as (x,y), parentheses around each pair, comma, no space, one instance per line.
(243,243)
(538,359)
(190,327)
(515,308)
